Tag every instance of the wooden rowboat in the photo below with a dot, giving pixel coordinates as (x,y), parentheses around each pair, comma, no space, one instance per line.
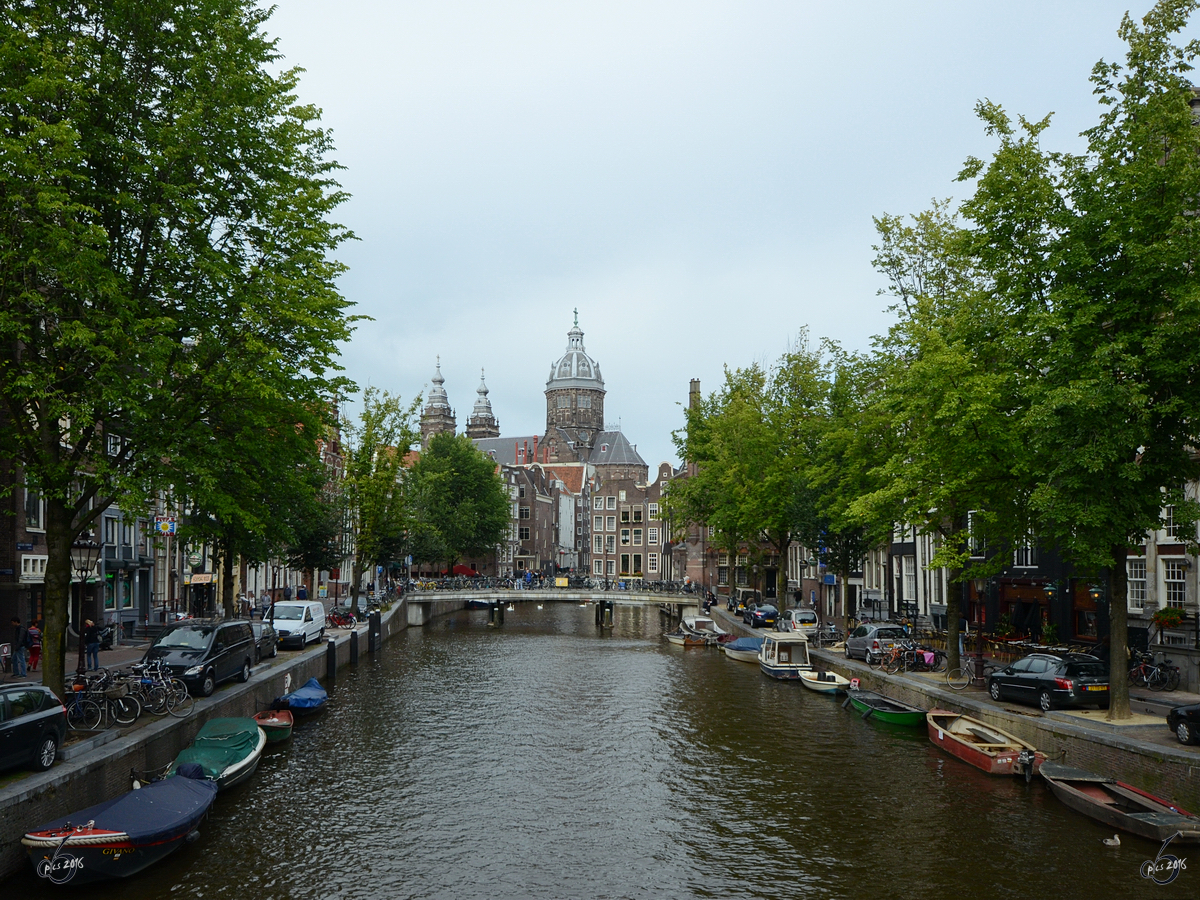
(824,682)
(686,639)
(276,724)
(885,709)
(983,746)
(1120,805)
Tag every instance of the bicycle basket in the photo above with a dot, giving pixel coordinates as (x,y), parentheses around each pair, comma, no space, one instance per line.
(117,691)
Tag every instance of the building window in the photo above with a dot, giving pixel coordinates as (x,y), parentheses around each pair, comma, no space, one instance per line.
(624,537)
(610,543)
(652,563)
(637,537)
(126,534)
(712,531)
(110,530)
(637,514)
(723,559)
(652,536)
(521,490)
(597,567)
(1169,525)
(722,574)
(33,510)
(611,523)
(33,568)
(585,401)
(1136,573)
(621,494)
(612,502)
(1173,581)
(624,515)
(652,510)
(598,523)
(624,563)
(1025,556)
(523,533)
(523,512)
(597,503)
(598,543)
(910,578)
(564,401)
(975,533)
(637,564)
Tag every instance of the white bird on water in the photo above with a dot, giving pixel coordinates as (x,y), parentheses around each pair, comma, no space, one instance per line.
(539,606)
(1114,841)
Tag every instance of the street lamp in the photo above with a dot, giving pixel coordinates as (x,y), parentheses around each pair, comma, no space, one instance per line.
(980,588)
(84,555)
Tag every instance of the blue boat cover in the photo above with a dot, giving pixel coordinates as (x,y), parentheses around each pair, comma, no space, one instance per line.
(745,644)
(310,696)
(159,811)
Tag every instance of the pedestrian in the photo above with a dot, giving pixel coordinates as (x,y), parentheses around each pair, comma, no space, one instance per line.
(962,630)
(20,646)
(35,647)
(264,602)
(91,640)
(244,606)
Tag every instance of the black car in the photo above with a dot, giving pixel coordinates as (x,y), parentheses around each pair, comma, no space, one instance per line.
(266,641)
(33,725)
(1185,722)
(204,652)
(1052,680)
(763,616)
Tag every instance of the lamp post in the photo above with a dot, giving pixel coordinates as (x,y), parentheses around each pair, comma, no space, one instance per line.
(84,555)
(980,588)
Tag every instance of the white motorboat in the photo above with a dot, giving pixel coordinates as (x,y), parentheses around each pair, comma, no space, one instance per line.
(824,682)
(784,655)
(702,625)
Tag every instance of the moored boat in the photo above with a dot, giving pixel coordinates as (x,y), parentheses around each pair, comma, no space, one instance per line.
(702,625)
(824,682)
(784,656)
(743,649)
(983,746)
(683,638)
(306,700)
(1120,805)
(121,837)
(226,750)
(885,709)
(276,724)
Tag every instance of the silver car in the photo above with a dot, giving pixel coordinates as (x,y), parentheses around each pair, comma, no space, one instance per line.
(875,638)
(802,620)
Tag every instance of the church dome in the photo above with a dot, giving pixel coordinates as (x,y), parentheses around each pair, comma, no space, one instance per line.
(483,406)
(575,369)
(438,398)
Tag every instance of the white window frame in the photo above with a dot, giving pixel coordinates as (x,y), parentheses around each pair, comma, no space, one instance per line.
(40,510)
(1135,574)
(652,510)
(651,563)
(610,523)
(597,567)
(1175,583)
(597,502)
(652,535)
(610,502)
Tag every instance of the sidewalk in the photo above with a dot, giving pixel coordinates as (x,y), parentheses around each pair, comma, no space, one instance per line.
(119,657)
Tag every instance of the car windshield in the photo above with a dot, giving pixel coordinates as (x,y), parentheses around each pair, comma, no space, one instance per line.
(1087,669)
(184,639)
(295,613)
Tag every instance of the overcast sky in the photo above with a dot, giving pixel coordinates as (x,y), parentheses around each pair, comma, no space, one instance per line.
(698,179)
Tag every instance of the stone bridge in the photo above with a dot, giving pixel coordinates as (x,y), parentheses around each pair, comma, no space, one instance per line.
(423,606)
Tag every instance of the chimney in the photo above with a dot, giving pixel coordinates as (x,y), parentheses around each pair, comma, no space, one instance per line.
(694,394)
(535,456)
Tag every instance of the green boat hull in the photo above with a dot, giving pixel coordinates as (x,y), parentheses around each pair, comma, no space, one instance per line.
(911,719)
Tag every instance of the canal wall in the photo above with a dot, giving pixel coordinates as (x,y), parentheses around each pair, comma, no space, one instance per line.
(1161,769)
(105,768)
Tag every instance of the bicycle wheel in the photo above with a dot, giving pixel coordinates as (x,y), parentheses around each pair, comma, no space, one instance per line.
(959,677)
(1157,679)
(179,702)
(154,699)
(84,715)
(125,710)
(1137,676)
(939,662)
(894,665)
(1172,678)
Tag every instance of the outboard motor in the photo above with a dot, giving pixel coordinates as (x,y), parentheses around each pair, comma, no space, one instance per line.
(1025,760)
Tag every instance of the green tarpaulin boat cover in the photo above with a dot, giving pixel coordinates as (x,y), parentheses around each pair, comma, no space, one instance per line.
(220,744)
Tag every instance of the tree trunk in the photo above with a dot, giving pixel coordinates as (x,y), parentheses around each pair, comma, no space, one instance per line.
(355,581)
(1118,638)
(226,546)
(59,538)
(953,614)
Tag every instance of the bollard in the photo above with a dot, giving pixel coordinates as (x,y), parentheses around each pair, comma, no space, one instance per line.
(331,658)
(608,613)
(354,646)
(376,631)
(600,612)
(500,610)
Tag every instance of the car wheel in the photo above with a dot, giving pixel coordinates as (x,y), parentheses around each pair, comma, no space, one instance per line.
(244,675)
(846,650)
(1184,732)
(208,684)
(994,690)
(1044,701)
(274,649)
(48,750)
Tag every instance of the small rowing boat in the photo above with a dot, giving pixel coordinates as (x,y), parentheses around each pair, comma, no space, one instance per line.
(276,724)
(824,682)
(983,746)
(1120,805)
(885,709)
(306,700)
(743,649)
(681,638)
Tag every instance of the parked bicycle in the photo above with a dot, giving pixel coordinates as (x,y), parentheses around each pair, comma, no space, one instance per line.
(1157,676)
(961,676)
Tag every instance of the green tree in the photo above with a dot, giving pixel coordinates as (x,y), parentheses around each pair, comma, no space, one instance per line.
(376,501)
(164,248)
(459,505)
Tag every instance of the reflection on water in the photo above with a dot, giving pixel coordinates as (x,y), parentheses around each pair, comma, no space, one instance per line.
(548,759)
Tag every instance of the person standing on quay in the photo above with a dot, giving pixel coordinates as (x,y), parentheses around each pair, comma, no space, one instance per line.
(35,649)
(91,640)
(20,633)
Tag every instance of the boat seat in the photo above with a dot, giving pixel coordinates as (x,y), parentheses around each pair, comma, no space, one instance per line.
(996,747)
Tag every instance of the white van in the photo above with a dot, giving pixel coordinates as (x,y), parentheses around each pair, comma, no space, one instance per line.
(298,621)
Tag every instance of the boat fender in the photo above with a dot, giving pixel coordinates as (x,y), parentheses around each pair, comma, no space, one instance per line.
(847,703)
(854,684)
(868,714)
(193,835)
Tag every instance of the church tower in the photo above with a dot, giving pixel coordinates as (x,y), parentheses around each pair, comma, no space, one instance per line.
(437,417)
(574,402)
(482,423)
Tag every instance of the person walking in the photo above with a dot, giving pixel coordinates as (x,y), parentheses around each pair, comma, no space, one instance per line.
(35,648)
(20,647)
(265,602)
(91,641)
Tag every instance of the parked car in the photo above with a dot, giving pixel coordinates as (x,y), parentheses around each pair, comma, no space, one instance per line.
(266,641)
(747,612)
(33,725)
(740,598)
(298,621)
(1185,722)
(204,652)
(875,637)
(803,620)
(763,616)
(1051,680)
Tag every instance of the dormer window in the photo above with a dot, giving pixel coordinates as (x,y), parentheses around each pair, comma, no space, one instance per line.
(604,448)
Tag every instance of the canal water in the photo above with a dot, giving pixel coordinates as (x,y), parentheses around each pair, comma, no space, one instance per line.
(547,759)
